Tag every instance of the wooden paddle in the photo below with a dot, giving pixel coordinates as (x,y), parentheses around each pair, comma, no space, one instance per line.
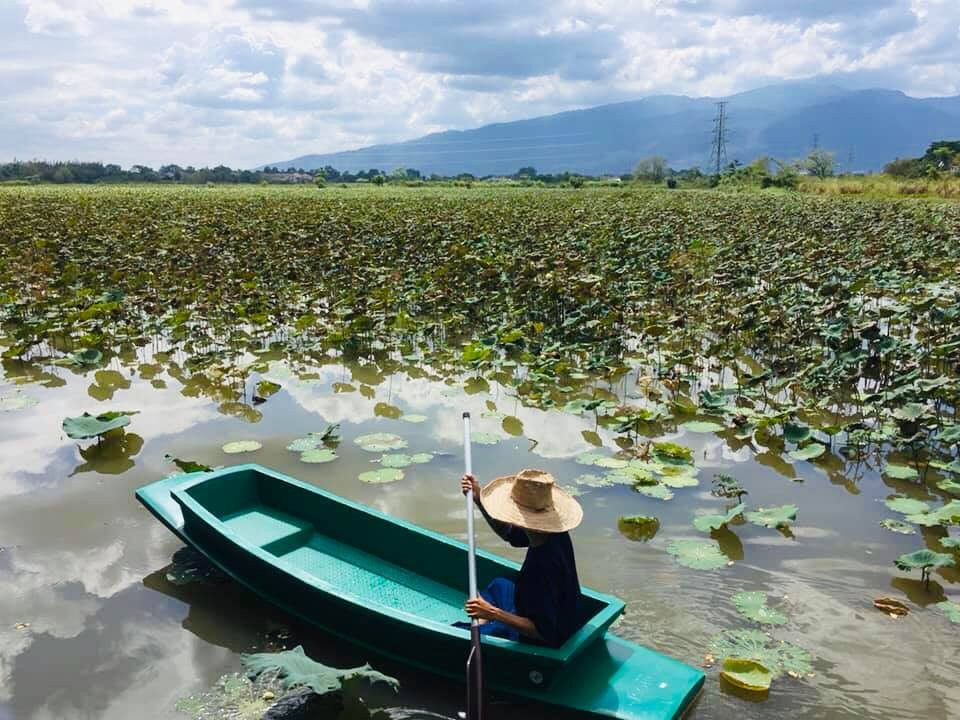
(475,658)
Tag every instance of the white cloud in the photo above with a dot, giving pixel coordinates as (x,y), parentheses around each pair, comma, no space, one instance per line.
(242,82)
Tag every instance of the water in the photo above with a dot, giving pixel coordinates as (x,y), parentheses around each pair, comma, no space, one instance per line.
(90,626)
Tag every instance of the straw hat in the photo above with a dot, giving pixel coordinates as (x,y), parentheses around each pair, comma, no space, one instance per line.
(531,499)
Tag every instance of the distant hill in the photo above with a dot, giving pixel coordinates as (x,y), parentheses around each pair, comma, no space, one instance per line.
(871,126)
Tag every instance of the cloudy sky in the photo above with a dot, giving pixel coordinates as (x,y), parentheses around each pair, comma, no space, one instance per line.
(242,82)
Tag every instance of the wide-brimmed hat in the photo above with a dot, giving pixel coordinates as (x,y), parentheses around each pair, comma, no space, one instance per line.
(531,499)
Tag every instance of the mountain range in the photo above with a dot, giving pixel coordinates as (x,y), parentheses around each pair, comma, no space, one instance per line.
(865,128)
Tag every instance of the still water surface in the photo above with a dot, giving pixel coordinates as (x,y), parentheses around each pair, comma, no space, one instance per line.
(90,626)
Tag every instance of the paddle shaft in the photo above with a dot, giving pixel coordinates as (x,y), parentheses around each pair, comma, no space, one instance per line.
(475,658)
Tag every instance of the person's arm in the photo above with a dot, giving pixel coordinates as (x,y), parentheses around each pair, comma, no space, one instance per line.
(506,531)
(480,608)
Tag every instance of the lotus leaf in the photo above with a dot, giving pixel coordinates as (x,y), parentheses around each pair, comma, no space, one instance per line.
(810,452)
(241,446)
(898,526)
(399,460)
(187,466)
(294,669)
(900,472)
(950,609)
(305,443)
(924,560)
(380,442)
(659,492)
(382,409)
(90,356)
(485,438)
(949,486)
(702,426)
(90,426)
(573,490)
(706,523)
(679,480)
(950,542)
(667,452)
(384,475)
(413,418)
(595,481)
(779,657)
(604,461)
(907,506)
(775,517)
(753,605)
(512,426)
(746,674)
(697,554)
(638,527)
(318,455)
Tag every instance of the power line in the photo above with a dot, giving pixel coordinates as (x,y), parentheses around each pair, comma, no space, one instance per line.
(718,150)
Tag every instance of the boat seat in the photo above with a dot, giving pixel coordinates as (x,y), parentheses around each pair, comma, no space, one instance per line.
(262,525)
(372,579)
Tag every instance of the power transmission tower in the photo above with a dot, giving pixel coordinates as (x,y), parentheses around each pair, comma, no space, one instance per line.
(850,161)
(718,151)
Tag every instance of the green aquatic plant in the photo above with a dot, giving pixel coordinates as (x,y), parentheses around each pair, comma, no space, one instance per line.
(898,526)
(638,527)
(746,674)
(778,656)
(380,442)
(728,486)
(16,400)
(706,523)
(318,455)
(925,561)
(241,446)
(88,426)
(775,517)
(753,606)
(295,669)
(668,452)
(950,609)
(382,476)
(399,460)
(697,554)
(187,466)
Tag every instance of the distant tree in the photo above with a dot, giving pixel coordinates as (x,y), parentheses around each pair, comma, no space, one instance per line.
(528,173)
(576,181)
(378,179)
(905,168)
(652,169)
(820,163)
(319,180)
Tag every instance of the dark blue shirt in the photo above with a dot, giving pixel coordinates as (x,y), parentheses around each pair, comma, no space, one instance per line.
(548,590)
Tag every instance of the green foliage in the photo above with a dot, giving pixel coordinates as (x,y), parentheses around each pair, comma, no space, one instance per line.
(697,554)
(295,669)
(779,657)
(90,426)
(775,517)
(380,442)
(753,605)
(706,523)
(638,527)
(241,446)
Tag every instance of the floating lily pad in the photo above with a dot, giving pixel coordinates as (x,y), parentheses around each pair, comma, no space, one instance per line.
(595,481)
(950,609)
(90,426)
(702,426)
(697,554)
(898,526)
(305,443)
(949,486)
(90,356)
(900,472)
(907,506)
(810,452)
(16,400)
(380,442)
(604,461)
(486,438)
(638,527)
(780,657)
(660,492)
(241,446)
(318,455)
(413,418)
(753,605)
(384,475)
(706,523)
(746,674)
(775,517)
(679,480)
(400,460)
(573,490)
(950,542)
(668,452)
(187,466)
(294,668)
(923,560)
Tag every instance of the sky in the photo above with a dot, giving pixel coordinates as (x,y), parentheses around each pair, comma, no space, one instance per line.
(244,82)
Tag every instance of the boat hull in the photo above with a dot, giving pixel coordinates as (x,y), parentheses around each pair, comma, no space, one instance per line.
(604,675)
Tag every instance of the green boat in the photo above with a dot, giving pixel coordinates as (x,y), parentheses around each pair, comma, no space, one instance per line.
(398,589)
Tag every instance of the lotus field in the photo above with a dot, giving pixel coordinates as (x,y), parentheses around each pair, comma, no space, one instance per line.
(752,362)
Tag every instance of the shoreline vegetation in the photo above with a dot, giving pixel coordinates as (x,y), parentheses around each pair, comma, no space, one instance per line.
(934,175)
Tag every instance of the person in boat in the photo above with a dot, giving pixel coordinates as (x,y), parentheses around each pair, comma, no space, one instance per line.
(542,605)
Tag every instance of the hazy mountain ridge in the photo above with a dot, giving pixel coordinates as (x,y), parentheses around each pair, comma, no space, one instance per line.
(869,127)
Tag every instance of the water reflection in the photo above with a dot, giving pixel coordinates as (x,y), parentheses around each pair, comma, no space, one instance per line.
(82,560)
